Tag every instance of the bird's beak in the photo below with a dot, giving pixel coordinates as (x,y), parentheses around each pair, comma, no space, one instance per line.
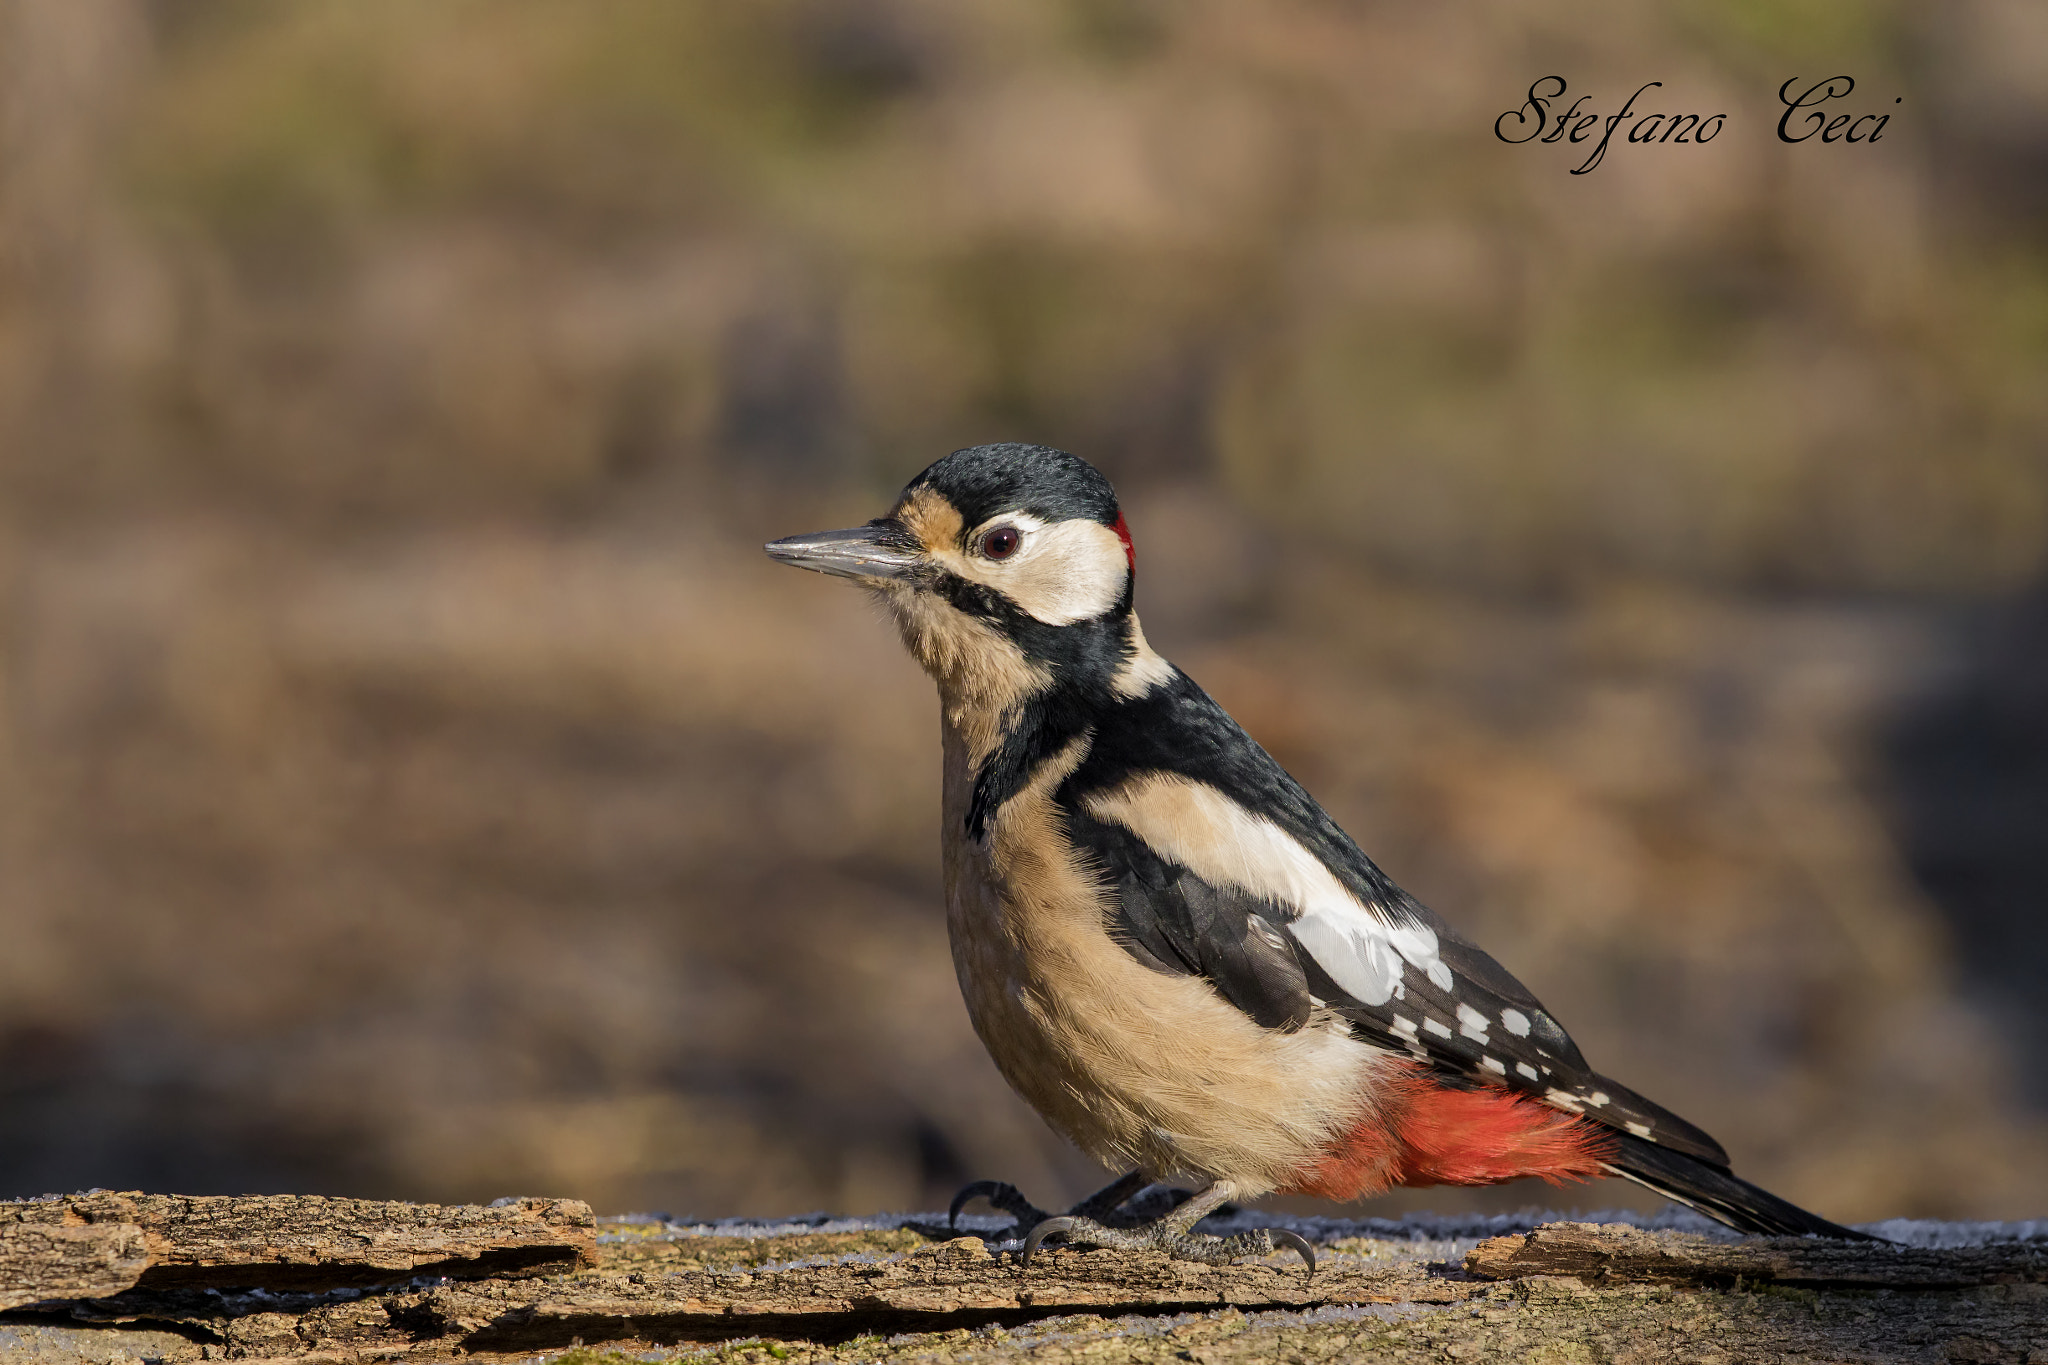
(877,550)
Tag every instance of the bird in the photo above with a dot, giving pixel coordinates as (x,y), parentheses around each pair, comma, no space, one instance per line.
(1169,949)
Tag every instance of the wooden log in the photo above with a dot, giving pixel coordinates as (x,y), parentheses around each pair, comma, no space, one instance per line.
(940,1286)
(53,1261)
(309,1242)
(1566,1292)
(1616,1254)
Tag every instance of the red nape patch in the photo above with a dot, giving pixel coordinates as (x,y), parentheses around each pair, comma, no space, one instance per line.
(1123,533)
(1430,1134)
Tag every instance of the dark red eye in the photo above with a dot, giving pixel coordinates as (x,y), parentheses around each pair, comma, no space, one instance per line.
(1001,543)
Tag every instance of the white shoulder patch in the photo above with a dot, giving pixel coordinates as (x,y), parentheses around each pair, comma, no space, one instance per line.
(1226,845)
(1144,670)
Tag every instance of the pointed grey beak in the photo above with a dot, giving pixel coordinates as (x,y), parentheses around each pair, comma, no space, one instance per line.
(877,550)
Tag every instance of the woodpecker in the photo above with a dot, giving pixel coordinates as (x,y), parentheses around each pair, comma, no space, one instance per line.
(1168,948)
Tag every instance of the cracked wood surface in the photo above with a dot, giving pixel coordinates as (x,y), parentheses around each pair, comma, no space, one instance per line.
(1559,1293)
(1615,1253)
(301,1242)
(53,1261)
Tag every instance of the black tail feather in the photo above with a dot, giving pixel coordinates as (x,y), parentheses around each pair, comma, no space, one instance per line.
(1718,1194)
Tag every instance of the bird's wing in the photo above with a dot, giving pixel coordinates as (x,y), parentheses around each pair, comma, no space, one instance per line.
(1222,866)
(1175,921)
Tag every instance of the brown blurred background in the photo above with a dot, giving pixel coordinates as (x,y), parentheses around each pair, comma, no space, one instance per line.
(415,782)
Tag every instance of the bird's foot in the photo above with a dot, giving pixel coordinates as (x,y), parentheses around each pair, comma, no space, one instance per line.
(1171,1235)
(1004,1196)
(1101,1205)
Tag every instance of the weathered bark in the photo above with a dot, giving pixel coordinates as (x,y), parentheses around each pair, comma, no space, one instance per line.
(51,1261)
(938,1286)
(1617,1254)
(1561,1293)
(300,1242)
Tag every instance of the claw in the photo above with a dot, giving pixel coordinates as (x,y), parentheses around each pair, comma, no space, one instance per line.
(1040,1233)
(1282,1237)
(980,1189)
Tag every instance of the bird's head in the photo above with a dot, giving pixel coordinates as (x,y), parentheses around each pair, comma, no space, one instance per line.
(1003,564)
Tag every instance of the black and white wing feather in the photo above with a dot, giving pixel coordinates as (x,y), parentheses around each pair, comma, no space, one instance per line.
(1223,867)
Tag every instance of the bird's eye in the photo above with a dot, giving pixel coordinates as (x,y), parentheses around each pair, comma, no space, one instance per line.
(1000,543)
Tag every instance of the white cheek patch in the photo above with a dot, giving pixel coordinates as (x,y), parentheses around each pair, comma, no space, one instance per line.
(1062,572)
(1224,844)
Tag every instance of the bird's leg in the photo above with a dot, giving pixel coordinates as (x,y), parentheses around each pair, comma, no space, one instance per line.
(1011,1200)
(1110,1197)
(1171,1234)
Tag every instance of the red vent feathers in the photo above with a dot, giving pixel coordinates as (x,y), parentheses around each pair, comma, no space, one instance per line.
(1429,1134)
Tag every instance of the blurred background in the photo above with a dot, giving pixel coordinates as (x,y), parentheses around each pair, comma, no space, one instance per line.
(414,781)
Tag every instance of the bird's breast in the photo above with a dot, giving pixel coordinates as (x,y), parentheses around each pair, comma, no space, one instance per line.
(1136,1066)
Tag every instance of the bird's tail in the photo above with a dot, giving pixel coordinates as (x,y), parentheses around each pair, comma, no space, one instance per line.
(1717,1194)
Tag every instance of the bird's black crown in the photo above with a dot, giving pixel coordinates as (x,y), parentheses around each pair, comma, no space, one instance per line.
(982,481)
